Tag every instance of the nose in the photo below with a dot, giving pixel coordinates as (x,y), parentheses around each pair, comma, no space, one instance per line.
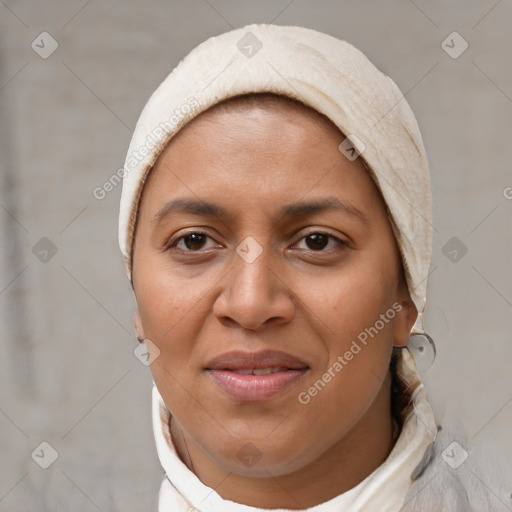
(255,292)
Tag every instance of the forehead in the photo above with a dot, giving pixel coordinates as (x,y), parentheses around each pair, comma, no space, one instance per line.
(259,145)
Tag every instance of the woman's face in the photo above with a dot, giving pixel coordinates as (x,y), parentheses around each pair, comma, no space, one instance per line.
(279,243)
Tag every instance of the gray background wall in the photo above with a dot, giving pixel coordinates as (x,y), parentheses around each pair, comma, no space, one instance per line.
(67,372)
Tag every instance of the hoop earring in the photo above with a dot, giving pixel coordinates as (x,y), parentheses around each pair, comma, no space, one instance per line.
(423,349)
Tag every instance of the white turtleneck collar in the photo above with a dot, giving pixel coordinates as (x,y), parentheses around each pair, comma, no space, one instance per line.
(383,490)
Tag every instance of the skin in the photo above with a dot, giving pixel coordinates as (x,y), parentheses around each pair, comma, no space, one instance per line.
(305,296)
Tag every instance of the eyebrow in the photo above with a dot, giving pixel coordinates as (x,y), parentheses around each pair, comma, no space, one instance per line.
(206,209)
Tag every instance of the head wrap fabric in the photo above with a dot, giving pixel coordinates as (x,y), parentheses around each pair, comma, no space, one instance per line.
(325,73)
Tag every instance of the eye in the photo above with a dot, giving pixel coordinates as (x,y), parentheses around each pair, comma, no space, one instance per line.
(191,242)
(319,240)
(194,241)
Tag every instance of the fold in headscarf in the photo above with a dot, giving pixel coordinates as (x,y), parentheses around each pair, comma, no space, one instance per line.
(324,73)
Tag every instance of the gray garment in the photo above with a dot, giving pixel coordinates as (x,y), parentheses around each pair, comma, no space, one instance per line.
(455,477)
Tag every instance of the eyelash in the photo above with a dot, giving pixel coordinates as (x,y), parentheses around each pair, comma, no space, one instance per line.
(172,243)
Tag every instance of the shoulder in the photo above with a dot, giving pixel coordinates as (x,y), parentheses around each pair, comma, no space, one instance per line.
(456,476)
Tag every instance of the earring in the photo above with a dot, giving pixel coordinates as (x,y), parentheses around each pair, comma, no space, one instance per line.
(140,340)
(423,349)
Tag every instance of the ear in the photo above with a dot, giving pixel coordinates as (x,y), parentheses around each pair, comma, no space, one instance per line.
(404,321)
(138,326)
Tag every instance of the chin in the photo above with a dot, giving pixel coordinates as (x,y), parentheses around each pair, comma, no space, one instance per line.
(259,458)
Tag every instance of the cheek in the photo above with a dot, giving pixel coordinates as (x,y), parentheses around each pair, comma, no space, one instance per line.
(357,306)
(173,311)
(166,300)
(353,299)
(172,315)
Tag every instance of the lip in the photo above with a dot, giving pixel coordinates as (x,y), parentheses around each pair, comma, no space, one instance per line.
(250,387)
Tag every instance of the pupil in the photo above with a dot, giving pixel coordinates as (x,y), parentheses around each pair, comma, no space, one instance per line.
(317,239)
(194,238)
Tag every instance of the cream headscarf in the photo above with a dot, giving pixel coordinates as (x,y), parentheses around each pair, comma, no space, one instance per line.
(323,72)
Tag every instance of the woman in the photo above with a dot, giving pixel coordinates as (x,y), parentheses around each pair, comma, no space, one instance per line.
(279,251)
